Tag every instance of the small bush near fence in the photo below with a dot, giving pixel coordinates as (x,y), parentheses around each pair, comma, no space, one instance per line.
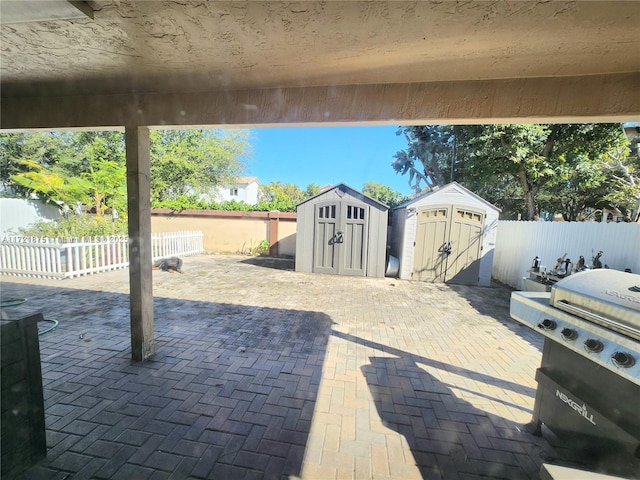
(64,258)
(76,226)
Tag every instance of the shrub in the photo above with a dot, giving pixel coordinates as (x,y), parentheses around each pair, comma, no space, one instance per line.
(261,249)
(182,202)
(76,226)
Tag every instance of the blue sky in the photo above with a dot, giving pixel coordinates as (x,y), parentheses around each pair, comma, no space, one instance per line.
(321,155)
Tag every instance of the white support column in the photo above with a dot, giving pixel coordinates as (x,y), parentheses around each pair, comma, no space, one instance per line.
(140,275)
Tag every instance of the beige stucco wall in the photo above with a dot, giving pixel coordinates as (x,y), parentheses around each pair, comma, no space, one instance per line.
(287,238)
(229,232)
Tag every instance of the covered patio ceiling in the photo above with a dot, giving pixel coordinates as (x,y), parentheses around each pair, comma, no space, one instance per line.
(209,62)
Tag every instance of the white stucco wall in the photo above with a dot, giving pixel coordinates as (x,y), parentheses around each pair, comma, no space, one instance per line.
(18,213)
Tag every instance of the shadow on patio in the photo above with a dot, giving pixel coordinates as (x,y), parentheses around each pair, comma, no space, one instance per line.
(448,437)
(230,392)
(497,305)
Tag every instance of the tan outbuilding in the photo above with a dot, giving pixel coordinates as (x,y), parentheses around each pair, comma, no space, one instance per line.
(445,235)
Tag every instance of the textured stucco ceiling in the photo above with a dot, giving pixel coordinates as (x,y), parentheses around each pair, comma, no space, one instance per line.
(153,46)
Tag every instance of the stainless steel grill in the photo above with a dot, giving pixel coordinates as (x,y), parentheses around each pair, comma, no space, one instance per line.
(594,313)
(589,380)
(605,297)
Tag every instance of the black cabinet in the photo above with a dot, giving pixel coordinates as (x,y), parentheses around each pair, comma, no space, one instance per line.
(22,422)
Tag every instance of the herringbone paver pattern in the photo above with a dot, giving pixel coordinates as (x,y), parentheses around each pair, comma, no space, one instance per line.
(266,373)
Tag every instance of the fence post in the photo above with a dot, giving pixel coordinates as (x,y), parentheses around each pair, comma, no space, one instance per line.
(274,220)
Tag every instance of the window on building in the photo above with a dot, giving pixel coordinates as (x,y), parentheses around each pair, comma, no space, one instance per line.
(233,192)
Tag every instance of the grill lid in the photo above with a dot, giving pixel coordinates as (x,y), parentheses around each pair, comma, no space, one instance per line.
(607,297)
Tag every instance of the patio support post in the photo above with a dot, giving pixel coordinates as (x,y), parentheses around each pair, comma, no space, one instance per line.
(140,275)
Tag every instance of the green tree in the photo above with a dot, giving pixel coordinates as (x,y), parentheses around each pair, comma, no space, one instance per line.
(107,185)
(556,160)
(190,162)
(383,193)
(555,167)
(26,152)
(108,145)
(87,167)
(280,196)
(100,160)
(312,189)
(50,184)
(622,168)
(430,149)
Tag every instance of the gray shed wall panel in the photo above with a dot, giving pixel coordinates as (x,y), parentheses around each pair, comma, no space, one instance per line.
(304,237)
(376,260)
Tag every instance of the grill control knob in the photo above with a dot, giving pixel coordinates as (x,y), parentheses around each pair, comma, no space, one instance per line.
(623,360)
(593,346)
(569,334)
(547,324)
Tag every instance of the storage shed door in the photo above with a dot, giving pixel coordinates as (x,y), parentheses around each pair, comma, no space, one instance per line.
(447,246)
(340,238)
(463,263)
(353,252)
(325,238)
(430,261)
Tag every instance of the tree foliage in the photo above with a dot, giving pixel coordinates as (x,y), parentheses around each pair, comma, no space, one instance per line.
(50,184)
(76,226)
(429,147)
(524,169)
(190,162)
(312,189)
(281,196)
(47,154)
(383,193)
(622,167)
(65,167)
(107,185)
(90,167)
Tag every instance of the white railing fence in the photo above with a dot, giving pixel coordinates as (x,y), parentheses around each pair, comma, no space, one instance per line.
(65,258)
(518,243)
(183,243)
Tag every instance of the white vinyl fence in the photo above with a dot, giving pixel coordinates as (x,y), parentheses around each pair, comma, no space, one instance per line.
(56,258)
(518,243)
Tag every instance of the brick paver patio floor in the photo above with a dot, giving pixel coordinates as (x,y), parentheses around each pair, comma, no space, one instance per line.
(262,372)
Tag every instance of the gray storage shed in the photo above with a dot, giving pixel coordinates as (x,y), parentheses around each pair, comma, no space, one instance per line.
(342,231)
(446,235)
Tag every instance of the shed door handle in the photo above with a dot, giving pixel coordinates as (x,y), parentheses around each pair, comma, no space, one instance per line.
(337,238)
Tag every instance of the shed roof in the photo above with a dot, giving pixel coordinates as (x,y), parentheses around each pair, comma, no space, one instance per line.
(446,188)
(345,188)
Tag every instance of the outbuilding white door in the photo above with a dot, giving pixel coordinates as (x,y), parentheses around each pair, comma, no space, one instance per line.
(340,238)
(448,244)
